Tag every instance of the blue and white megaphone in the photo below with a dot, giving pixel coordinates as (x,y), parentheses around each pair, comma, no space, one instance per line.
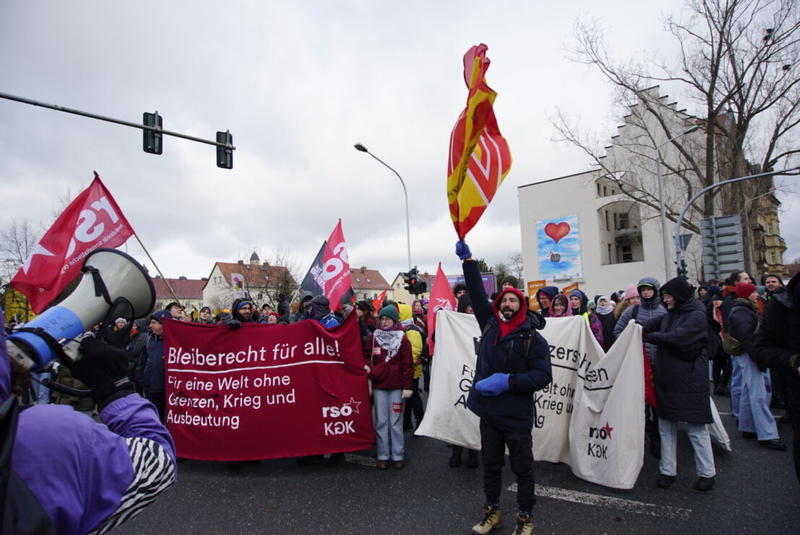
(111,279)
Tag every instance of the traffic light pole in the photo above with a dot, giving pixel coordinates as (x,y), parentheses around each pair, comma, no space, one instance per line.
(155,129)
(680,253)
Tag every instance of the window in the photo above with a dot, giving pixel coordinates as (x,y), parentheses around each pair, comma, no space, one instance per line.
(599,193)
(624,221)
(605,192)
(616,221)
(627,253)
(610,259)
(605,212)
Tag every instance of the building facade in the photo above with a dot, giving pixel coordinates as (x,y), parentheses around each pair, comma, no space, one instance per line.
(260,282)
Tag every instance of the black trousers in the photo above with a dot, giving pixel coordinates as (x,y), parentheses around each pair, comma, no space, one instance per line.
(413,405)
(520,453)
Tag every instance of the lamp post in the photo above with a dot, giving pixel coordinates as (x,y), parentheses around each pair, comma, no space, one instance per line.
(361,148)
(664,236)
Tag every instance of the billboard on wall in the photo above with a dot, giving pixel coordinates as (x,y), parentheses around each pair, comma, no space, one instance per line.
(559,248)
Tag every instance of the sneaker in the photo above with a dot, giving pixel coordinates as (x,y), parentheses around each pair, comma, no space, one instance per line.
(774,444)
(665,481)
(704,483)
(382,465)
(491,520)
(397,464)
(524,524)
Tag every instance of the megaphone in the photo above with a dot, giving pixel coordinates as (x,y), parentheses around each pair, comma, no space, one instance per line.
(110,278)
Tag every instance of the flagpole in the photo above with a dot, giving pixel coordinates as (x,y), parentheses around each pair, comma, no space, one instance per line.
(171,291)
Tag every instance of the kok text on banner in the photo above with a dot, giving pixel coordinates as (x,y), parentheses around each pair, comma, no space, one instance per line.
(266,391)
(91,221)
(479,158)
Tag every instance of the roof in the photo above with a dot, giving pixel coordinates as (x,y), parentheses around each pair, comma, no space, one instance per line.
(368,279)
(255,275)
(184,288)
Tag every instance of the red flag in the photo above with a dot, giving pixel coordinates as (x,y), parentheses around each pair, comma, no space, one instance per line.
(479,158)
(335,275)
(91,221)
(441,298)
(376,303)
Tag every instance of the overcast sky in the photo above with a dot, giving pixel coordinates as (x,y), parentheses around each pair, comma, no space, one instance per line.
(297,84)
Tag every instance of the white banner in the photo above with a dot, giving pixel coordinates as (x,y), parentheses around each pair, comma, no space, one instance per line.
(591,416)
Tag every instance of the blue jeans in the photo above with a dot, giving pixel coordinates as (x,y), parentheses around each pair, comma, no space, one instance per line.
(388,412)
(754,413)
(736,384)
(701,444)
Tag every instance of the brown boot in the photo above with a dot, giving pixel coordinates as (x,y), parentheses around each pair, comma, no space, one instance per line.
(491,520)
(524,524)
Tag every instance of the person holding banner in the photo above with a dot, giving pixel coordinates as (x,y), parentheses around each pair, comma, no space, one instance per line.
(513,363)
(388,361)
(680,378)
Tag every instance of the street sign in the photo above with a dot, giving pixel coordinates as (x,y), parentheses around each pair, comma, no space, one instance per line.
(723,251)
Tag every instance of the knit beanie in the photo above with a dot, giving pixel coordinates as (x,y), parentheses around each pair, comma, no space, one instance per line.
(630,292)
(744,289)
(389,312)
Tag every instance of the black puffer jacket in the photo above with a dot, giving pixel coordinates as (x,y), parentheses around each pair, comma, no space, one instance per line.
(777,344)
(742,324)
(514,410)
(681,371)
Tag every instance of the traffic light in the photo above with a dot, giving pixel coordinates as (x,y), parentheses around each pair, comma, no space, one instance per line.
(225,154)
(151,139)
(413,284)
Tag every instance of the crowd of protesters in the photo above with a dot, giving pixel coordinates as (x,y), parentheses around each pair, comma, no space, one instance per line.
(733,338)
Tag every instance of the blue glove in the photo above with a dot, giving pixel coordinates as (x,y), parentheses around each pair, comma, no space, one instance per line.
(494,385)
(462,250)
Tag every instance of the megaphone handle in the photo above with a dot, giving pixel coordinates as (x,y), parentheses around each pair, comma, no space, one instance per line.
(64,389)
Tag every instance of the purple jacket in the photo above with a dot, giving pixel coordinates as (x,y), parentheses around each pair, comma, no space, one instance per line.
(77,468)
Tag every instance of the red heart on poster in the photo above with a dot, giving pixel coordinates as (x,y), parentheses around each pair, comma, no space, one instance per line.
(557,230)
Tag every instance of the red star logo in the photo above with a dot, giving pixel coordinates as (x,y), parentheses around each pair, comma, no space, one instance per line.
(607,429)
(356,404)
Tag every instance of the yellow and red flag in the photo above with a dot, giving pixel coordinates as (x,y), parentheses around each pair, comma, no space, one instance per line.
(479,155)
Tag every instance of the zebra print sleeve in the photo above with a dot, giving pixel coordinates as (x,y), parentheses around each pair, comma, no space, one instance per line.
(153,473)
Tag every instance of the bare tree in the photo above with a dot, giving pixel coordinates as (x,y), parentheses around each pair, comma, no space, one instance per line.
(285,281)
(737,62)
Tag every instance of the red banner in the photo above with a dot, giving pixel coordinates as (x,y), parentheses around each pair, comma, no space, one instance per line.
(91,221)
(335,276)
(266,391)
(441,298)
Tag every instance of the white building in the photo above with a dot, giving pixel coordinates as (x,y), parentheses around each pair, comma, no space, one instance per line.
(582,229)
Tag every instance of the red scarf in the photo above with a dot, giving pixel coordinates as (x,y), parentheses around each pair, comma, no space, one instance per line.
(507,326)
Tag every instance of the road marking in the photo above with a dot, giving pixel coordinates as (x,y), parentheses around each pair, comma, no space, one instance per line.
(630,506)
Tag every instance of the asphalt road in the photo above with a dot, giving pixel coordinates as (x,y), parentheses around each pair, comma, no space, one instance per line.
(756,492)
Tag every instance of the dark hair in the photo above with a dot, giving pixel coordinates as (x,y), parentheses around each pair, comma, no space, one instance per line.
(765,276)
(173,304)
(459,287)
(733,278)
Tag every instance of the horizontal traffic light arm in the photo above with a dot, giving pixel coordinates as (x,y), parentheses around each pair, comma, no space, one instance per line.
(116,121)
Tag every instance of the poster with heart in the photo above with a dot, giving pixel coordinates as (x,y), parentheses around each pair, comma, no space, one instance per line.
(559,248)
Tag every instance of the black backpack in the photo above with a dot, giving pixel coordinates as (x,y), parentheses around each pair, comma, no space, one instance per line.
(21,512)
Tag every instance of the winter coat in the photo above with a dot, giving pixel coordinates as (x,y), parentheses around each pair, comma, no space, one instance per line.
(742,325)
(152,378)
(680,376)
(513,411)
(78,469)
(401,369)
(778,339)
(646,312)
(607,324)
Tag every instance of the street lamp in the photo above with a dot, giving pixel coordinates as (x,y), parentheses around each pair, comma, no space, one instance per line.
(664,237)
(362,148)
